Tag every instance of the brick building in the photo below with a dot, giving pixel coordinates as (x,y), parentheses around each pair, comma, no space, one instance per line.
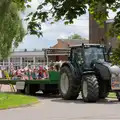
(65,43)
(61,50)
(99,35)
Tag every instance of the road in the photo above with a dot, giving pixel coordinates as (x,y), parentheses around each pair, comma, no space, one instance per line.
(51,108)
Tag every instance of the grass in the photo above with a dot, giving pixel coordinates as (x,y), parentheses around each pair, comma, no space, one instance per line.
(9,100)
(112,95)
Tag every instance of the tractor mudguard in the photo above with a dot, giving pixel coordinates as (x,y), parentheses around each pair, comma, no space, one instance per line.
(102,69)
(71,67)
(88,72)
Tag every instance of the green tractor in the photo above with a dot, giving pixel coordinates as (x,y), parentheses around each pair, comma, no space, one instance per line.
(89,72)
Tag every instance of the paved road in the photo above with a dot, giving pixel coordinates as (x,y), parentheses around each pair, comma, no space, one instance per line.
(57,109)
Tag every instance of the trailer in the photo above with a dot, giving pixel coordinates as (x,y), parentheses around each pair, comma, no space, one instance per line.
(30,87)
(49,85)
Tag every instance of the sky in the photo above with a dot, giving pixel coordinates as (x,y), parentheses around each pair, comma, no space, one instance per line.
(53,32)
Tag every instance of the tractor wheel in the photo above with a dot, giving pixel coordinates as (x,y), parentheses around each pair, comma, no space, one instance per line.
(69,88)
(118,96)
(90,88)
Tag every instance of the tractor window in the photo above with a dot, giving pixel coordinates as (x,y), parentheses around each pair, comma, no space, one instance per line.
(77,56)
(93,54)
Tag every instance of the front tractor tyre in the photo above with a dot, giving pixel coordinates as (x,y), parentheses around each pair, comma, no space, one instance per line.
(68,87)
(90,88)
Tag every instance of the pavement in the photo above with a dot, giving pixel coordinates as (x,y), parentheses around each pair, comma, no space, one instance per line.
(54,108)
(5,88)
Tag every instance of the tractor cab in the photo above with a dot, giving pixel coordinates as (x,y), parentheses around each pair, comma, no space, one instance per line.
(85,55)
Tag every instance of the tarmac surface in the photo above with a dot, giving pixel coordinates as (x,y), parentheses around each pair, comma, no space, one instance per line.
(54,108)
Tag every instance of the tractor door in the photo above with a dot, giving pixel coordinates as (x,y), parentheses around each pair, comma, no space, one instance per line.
(77,59)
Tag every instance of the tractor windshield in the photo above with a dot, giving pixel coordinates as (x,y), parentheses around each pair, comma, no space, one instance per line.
(93,54)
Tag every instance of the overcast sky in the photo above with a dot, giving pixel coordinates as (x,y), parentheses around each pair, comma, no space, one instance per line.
(53,32)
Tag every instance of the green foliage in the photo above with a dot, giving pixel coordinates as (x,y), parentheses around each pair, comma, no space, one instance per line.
(115,58)
(112,95)
(76,36)
(11,29)
(68,10)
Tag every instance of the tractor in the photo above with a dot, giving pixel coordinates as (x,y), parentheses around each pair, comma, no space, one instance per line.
(89,71)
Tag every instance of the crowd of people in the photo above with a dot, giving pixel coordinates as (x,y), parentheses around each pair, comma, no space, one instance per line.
(30,73)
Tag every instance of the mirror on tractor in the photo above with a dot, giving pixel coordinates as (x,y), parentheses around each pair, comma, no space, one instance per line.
(108,53)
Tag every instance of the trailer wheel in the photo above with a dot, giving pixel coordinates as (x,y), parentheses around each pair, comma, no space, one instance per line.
(27,89)
(68,87)
(20,91)
(46,92)
(90,88)
(31,89)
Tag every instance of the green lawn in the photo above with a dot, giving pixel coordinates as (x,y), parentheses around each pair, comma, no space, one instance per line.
(112,95)
(9,100)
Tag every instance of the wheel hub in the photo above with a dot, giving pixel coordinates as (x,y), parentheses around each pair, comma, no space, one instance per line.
(64,83)
(85,89)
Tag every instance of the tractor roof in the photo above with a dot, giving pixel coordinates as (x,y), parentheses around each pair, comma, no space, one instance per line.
(87,45)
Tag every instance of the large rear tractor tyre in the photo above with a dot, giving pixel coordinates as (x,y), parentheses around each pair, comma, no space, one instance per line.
(90,88)
(103,89)
(68,87)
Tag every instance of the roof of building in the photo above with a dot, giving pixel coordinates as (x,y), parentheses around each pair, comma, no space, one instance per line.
(27,53)
(75,41)
(86,45)
(65,43)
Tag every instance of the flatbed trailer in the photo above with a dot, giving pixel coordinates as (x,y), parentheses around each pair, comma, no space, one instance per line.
(49,85)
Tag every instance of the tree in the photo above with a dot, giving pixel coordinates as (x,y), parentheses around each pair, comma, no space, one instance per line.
(115,58)
(75,36)
(68,10)
(11,29)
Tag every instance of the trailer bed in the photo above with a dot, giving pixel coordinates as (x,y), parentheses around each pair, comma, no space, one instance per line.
(45,81)
(53,79)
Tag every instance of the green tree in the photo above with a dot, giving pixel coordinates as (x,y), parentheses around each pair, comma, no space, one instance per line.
(75,36)
(11,29)
(115,58)
(68,10)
